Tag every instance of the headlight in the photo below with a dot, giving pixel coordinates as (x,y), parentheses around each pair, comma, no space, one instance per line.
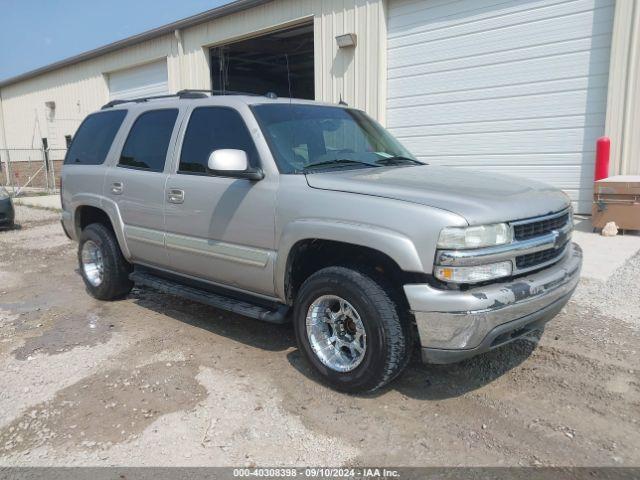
(475,274)
(475,237)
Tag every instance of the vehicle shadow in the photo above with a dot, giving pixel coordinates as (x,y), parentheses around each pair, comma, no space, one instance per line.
(419,381)
(262,335)
(439,382)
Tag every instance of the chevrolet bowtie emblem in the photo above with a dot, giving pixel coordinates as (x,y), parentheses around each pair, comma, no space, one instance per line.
(559,239)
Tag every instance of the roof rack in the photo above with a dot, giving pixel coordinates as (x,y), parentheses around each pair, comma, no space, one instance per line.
(186,94)
(180,94)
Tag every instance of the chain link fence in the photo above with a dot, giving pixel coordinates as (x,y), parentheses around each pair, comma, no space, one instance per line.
(31,169)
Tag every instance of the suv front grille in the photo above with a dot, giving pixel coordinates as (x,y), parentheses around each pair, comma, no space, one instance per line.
(538,258)
(535,228)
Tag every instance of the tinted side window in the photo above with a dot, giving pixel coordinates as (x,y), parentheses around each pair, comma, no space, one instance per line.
(93,139)
(148,141)
(214,128)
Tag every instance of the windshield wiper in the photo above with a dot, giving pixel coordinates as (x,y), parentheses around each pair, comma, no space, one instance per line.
(398,160)
(339,161)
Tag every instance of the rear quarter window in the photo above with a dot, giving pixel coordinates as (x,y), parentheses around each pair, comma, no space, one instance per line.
(94,137)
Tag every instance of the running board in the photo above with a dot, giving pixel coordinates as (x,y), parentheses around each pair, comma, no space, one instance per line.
(240,307)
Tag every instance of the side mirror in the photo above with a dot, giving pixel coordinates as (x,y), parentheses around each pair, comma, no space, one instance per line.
(229,162)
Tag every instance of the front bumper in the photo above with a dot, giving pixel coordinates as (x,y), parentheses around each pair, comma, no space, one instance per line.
(7,215)
(455,324)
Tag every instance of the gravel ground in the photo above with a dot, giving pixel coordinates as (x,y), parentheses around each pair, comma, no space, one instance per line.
(156,380)
(620,293)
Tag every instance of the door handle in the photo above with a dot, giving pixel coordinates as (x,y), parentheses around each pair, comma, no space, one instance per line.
(117,188)
(175,195)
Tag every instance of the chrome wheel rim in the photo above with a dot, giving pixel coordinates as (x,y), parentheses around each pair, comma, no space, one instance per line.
(336,333)
(92,263)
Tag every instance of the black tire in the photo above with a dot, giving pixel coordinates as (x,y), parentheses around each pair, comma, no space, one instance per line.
(387,328)
(115,277)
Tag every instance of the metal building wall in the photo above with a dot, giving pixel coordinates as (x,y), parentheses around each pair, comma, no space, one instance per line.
(355,74)
(623,101)
(77,90)
(358,75)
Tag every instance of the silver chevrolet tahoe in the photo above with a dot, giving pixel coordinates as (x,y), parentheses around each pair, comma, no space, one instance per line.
(289,210)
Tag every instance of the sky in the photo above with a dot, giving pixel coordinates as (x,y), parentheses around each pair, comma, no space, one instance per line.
(35,33)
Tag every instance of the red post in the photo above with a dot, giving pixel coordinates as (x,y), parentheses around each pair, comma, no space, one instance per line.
(603,150)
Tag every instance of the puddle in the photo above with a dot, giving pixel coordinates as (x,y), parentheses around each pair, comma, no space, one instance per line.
(66,333)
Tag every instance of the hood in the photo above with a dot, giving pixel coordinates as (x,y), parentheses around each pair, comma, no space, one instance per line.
(479,197)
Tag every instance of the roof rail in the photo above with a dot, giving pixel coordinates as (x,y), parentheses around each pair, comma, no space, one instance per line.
(186,93)
(195,91)
(115,102)
(180,94)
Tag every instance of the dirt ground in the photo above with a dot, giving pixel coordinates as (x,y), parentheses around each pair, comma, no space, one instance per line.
(155,380)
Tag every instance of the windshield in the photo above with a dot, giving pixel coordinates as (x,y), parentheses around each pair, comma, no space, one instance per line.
(306,138)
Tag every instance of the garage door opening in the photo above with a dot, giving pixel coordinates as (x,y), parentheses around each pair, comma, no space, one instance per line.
(259,65)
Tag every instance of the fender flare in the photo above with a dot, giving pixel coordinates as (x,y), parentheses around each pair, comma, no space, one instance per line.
(389,242)
(112,211)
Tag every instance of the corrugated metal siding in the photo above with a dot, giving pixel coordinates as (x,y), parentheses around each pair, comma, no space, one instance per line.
(356,74)
(512,87)
(78,89)
(623,100)
(630,161)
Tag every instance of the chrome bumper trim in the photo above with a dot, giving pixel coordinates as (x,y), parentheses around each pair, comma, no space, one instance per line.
(455,319)
(499,336)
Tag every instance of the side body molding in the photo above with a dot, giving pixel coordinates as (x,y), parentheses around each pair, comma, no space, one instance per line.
(394,244)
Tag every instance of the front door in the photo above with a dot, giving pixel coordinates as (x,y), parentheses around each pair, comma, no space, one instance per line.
(218,228)
(137,184)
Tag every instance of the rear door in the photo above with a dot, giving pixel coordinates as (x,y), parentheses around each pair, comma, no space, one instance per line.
(137,182)
(218,228)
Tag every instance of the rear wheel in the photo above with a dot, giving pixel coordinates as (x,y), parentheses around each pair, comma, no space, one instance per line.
(351,330)
(103,267)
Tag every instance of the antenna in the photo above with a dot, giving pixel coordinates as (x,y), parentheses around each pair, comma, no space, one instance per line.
(342,102)
(293,130)
(286,56)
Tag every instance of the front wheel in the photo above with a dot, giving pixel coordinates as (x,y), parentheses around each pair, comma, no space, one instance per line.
(103,267)
(351,330)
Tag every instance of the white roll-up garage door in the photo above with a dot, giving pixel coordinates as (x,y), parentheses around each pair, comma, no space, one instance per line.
(141,81)
(516,87)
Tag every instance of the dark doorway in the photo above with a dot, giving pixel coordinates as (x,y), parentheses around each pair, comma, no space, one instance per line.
(259,65)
